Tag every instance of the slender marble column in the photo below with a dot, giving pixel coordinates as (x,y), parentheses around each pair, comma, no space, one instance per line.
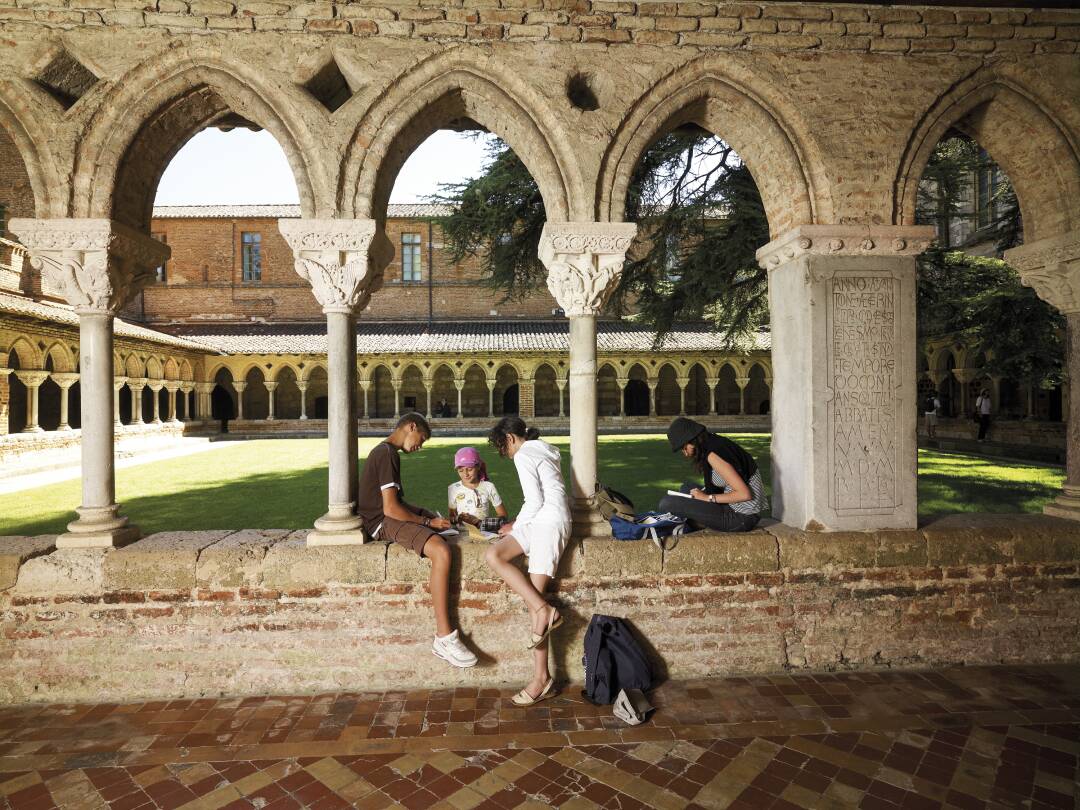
(170,398)
(203,392)
(427,388)
(682,382)
(460,385)
(491,398)
(742,382)
(136,384)
(622,382)
(32,380)
(652,396)
(271,387)
(712,382)
(155,387)
(65,380)
(302,385)
(561,385)
(397,398)
(240,387)
(584,261)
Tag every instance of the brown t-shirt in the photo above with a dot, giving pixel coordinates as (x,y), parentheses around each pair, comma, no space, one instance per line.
(381,470)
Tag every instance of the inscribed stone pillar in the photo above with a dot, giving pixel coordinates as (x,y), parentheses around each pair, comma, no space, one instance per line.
(32,380)
(239,387)
(842,300)
(98,265)
(65,379)
(584,261)
(1052,268)
(343,260)
(271,388)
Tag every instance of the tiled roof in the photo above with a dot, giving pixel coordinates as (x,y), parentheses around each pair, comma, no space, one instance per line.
(522,337)
(393,211)
(63,314)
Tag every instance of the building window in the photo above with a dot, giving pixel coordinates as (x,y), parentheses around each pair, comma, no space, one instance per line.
(251,256)
(410,257)
(162,271)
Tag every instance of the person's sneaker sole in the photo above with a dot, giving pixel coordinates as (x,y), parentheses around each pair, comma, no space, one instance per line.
(451,661)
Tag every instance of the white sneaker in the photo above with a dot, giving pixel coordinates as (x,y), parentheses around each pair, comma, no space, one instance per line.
(449,648)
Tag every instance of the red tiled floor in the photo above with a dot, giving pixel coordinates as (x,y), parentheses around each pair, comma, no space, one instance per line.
(964,739)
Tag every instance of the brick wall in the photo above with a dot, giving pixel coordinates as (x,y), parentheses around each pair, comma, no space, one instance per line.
(17,198)
(280,617)
(204,279)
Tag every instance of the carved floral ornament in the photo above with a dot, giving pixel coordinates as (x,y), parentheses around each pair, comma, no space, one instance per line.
(97,264)
(1051,267)
(845,240)
(584,261)
(340,258)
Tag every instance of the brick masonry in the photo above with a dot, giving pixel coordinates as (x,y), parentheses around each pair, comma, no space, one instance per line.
(210,613)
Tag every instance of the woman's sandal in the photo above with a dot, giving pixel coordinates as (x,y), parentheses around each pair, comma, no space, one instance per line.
(523,698)
(554,620)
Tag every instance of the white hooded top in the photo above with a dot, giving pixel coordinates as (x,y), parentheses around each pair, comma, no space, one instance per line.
(542,485)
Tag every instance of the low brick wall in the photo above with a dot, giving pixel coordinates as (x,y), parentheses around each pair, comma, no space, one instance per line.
(212,613)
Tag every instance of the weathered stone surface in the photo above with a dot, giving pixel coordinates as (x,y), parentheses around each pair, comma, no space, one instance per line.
(14,551)
(603,557)
(236,559)
(719,553)
(899,548)
(1042,538)
(291,563)
(800,550)
(970,539)
(164,560)
(73,570)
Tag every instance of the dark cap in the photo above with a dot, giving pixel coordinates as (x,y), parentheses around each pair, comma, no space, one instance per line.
(683,430)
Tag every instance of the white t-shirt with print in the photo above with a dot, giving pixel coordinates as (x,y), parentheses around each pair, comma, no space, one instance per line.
(479,502)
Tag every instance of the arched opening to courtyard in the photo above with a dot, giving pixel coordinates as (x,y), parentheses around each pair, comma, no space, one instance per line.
(636,393)
(546,393)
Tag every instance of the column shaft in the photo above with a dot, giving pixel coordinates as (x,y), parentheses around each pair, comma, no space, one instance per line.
(460,412)
(582,408)
(116,405)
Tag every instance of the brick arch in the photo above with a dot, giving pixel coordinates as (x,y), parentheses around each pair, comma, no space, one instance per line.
(186,371)
(1021,132)
(217,368)
(461,83)
(154,109)
(154,369)
(24,117)
(279,367)
(28,354)
(61,356)
(310,368)
(749,114)
(134,366)
(172,369)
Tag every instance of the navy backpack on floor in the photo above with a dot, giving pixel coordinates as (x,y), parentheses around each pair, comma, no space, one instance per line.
(613,660)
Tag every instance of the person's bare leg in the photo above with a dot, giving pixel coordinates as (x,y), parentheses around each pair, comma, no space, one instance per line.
(540,654)
(436,550)
(498,558)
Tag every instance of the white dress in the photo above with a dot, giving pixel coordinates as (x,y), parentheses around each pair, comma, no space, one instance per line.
(542,527)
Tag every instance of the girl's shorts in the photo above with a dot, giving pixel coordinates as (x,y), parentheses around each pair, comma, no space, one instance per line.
(543,544)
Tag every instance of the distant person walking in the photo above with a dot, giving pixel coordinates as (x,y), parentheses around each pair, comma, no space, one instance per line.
(931,409)
(982,411)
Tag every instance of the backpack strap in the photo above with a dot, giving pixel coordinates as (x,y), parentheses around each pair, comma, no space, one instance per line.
(663,543)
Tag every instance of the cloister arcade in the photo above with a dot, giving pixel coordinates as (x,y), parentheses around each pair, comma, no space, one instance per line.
(838,192)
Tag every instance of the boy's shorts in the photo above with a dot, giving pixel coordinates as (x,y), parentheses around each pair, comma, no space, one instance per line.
(405,533)
(543,544)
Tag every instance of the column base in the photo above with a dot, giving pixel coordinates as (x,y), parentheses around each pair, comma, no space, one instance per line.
(63,428)
(356,537)
(339,518)
(1066,505)
(34,429)
(98,527)
(586,520)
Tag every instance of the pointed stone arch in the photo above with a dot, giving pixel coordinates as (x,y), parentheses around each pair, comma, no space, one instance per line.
(463,83)
(28,355)
(1024,134)
(172,369)
(155,108)
(154,369)
(751,115)
(62,358)
(24,117)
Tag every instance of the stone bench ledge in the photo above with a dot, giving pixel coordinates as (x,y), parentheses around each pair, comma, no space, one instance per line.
(279,559)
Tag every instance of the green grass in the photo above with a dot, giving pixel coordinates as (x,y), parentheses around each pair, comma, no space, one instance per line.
(282,483)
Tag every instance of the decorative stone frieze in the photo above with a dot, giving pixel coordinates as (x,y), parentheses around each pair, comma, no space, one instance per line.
(95,264)
(1051,267)
(342,259)
(584,261)
(845,240)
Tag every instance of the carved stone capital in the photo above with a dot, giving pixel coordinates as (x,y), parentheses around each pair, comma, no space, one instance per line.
(97,265)
(1051,267)
(270,385)
(584,261)
(172,385)
(459,385)
(342,259)
(239,386)
(205,388)
(137,383)
(119,382)
(845,240)
(65,379)
(32,379)
(187,387)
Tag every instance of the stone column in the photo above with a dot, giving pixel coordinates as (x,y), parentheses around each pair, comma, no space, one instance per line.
(366,386)
(302,385)
(155,387)
(397,398)
(203,408)
(98,265)
(1052,268)
(652,383)
(32,380)
(996,383)
(5,398)
(964,376)
(427,389)
(561,385)
(343,260)
(118,383)
(742,382)
(491,398)
(1029,405)
(136,384)
(64,379)
(172,387)
(712,382)
(682,382)
(842,299)
(271,387)
(460,386)
(239,387)
(188,390)
(584,261)
(622,382)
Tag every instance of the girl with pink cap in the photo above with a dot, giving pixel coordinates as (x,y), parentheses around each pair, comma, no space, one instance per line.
(474,496)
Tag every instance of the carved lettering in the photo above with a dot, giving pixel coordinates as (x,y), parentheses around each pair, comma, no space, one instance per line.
(863,372)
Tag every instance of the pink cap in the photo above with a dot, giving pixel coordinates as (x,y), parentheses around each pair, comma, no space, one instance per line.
(467,457)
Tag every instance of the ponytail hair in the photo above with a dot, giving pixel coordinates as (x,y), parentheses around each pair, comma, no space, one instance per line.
(510,426)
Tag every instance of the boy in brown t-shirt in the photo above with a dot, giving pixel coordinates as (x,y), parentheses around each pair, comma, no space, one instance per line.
(387,516)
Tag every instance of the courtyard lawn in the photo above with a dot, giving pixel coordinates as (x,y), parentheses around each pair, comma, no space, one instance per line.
(281,483)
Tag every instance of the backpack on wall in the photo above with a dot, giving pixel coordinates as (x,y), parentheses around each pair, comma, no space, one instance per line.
(663,528)
(613,661)
(612,503)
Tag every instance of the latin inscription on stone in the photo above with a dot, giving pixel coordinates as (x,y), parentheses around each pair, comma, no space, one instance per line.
(863,375)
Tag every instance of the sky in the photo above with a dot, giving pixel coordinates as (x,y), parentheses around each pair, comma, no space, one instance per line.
(249,168)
